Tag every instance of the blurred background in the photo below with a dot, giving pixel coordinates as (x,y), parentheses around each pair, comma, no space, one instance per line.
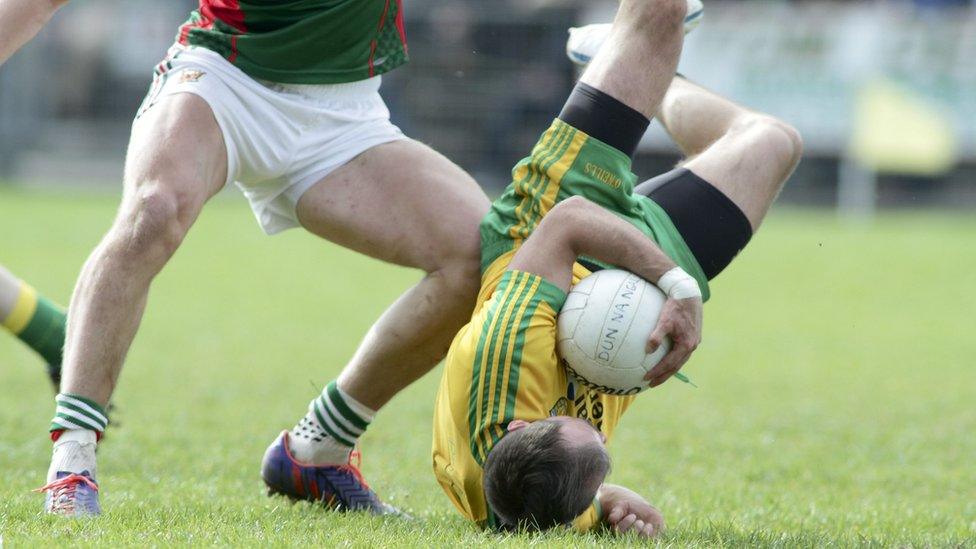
(836,376)
(884,92)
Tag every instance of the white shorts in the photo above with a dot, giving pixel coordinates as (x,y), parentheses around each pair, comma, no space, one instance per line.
(281,138)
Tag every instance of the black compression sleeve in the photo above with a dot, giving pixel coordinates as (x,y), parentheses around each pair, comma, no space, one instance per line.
(602,117)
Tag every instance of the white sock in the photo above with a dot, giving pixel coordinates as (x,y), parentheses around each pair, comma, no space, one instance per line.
(330,429)
(74,452)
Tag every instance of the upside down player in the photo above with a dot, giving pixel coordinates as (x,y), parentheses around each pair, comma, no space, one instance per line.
(516,444)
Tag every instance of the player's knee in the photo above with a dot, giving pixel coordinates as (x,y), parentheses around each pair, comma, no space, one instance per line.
(462,275)
(786,141)
(151,225)
(776,141)
(457,255)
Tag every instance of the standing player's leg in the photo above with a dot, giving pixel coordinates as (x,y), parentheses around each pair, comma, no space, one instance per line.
(404,203)
(745,155)
(176,161)
(34,319)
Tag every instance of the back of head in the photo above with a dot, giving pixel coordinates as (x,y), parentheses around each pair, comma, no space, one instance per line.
(534,479)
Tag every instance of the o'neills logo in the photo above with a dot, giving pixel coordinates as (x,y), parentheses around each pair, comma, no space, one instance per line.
(602,174)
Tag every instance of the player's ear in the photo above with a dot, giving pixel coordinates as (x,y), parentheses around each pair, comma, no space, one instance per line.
(517,424)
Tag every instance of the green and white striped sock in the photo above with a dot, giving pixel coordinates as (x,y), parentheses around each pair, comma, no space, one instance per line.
(330,429)
(78,413)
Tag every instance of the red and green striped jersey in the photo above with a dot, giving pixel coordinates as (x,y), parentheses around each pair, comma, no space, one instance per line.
(302,41)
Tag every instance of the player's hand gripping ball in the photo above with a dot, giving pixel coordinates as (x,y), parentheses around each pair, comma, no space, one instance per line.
(603,329)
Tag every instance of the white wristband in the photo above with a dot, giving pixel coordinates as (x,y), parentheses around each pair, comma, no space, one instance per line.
(679,285)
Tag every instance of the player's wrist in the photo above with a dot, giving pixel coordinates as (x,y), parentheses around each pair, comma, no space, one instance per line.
(678,284)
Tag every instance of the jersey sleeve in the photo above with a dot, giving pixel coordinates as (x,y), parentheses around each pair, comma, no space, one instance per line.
(513,372)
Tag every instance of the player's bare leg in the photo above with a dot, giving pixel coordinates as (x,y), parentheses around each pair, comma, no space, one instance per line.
(20,20)
(404,203)
(176,161)
(746,155)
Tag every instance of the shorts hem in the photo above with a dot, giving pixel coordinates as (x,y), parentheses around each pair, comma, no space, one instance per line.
(295,192)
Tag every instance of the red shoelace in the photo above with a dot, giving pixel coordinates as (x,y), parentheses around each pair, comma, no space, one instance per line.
(355,462)
(63,491)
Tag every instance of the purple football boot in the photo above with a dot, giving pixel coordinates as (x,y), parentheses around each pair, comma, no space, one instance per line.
(71,495)
(336,487)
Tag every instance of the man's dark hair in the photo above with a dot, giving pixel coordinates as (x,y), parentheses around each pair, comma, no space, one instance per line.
(535,480)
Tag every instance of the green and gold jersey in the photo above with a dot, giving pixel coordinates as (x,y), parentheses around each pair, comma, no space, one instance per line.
(503,365)
(302,41)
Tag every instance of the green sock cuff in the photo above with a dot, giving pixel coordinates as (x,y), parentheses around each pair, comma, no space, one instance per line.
(78,412)
(45,331)
(336,415)
(348,414)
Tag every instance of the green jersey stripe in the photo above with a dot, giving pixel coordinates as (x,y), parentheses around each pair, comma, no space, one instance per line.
(534,177)
(534,196)
(513,377)
(511,301)
(513,294)
(541,167)
(515,321)
(484,419)
(538,214)
(473,412)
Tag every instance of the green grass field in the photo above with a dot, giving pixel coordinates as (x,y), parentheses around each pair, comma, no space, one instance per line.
(835,408)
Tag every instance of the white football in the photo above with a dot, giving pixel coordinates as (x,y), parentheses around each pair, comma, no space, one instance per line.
(603,330)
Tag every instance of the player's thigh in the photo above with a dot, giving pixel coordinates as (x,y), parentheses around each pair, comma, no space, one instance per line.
(176,155)
(750,163)
(401,202)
